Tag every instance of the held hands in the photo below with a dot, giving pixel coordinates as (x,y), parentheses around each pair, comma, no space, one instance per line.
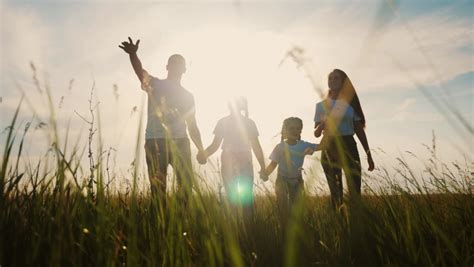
(201,157)
(263,175)
(129,47)
(308,151)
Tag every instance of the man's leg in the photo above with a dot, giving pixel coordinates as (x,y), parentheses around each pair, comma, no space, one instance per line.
(180,152)
(157,162)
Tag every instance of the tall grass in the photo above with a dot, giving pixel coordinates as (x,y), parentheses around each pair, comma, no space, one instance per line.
(47,219)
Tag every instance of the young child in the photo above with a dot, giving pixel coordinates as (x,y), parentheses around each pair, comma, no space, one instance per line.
(289,155)
(239,136)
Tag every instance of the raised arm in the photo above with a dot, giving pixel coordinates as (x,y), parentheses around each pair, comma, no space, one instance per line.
(131,50)
(359,130)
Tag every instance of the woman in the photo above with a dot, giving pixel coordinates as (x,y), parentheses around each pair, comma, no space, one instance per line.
(338,117)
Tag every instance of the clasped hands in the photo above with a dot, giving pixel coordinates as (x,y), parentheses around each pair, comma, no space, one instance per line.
(201,157)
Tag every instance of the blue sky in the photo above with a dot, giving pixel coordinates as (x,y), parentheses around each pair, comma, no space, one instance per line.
(239,47)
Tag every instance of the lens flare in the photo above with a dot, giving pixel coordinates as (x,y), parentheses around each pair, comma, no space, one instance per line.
(241,190)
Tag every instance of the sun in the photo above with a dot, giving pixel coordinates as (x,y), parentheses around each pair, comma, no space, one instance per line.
(224,63)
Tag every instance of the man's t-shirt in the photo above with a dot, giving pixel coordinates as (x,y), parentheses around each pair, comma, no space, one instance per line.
(290,158)
(169,105)
(237,132)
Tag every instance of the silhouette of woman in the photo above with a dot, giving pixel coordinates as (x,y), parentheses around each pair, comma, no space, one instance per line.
(338,117)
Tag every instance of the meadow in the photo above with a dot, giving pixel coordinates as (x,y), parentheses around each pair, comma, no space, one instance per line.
(54,214)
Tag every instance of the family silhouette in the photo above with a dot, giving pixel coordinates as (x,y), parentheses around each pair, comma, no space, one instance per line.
(171,115)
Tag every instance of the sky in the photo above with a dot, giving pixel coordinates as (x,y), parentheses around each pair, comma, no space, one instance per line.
(411,62)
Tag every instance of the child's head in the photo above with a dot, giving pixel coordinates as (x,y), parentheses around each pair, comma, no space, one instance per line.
(239,104)
(291,128)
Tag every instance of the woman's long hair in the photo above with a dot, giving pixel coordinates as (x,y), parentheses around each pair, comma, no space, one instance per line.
(348,94)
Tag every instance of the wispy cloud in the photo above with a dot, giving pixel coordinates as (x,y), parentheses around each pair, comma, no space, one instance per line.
(429,46)
(80,41)
(407,111)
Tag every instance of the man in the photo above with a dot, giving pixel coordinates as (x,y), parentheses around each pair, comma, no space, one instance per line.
(170,111)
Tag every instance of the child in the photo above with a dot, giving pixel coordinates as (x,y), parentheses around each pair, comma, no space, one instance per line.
(239,136)
(289,155)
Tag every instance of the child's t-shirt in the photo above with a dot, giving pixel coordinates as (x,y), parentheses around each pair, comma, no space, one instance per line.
(237,133)
(290,158)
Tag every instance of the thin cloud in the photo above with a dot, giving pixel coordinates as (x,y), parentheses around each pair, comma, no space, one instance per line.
(84,48)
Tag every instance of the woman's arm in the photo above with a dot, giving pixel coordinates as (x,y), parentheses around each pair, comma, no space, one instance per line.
(318,129)
(359,130)
(323,145)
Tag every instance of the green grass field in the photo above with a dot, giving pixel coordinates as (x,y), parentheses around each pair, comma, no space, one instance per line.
(48,218)
(66,228)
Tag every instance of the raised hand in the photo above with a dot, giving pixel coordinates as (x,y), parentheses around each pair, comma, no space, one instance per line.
(129,47)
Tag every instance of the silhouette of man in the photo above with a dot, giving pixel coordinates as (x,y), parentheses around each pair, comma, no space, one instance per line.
(171,111)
